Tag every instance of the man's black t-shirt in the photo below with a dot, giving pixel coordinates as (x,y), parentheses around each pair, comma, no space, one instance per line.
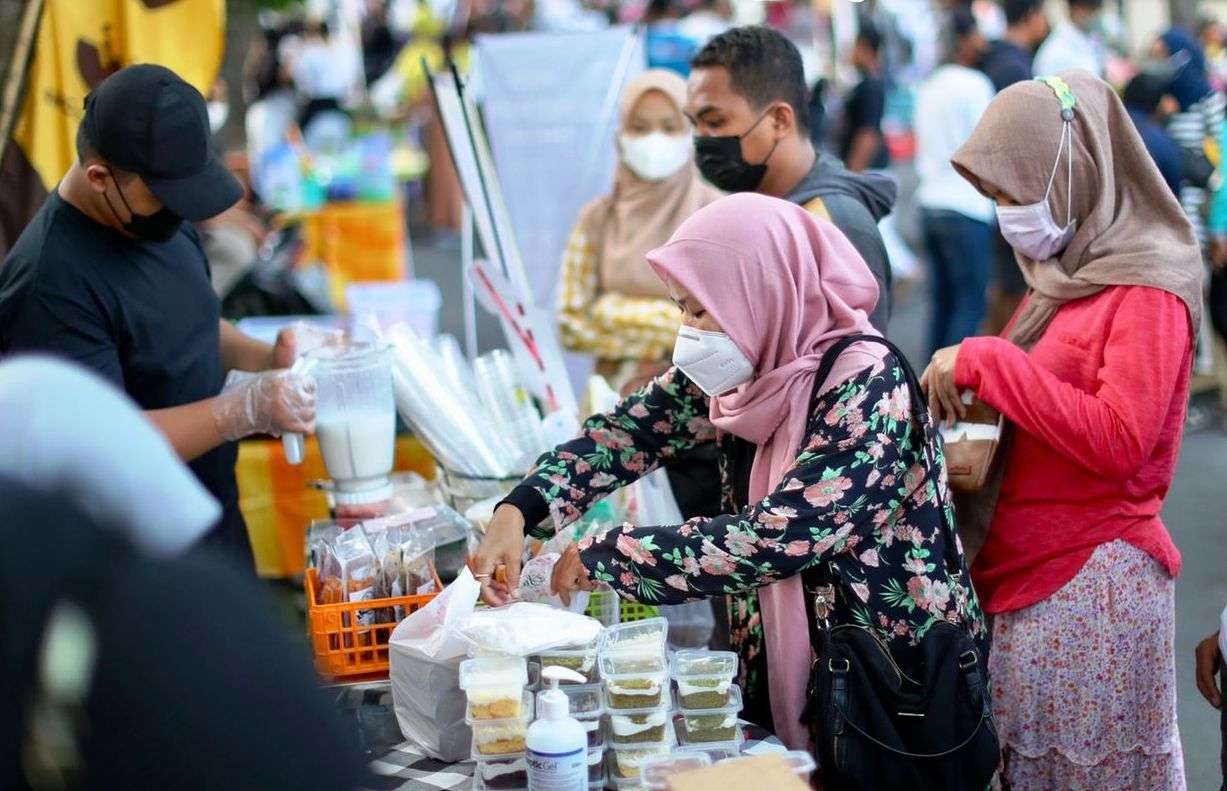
(141,314)
(1006,63)
(863,110)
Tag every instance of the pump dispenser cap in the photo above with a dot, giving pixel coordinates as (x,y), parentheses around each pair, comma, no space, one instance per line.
(553,703)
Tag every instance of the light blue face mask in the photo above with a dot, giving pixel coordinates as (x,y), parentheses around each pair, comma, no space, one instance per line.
(1031,229)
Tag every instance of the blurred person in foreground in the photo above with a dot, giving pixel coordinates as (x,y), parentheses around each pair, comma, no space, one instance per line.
(1074,42)
(119,669)
(955,217)
(1092,377)
(98,513)
(110,273)
(613,306)
(1007,61)
(862,146)
(748,103)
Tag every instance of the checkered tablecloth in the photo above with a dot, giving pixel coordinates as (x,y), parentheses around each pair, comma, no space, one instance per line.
(404,767)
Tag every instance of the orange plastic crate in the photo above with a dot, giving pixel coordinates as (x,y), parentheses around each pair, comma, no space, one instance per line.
(343,648)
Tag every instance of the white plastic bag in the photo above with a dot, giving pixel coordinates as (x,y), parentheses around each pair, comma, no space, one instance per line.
(526,628)
(424,656)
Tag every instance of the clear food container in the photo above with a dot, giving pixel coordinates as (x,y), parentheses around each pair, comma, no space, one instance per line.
(704,678)
(502,738)
(624,763)
(639,726)
(587,705)
(712,732)
(581,659)
(509,774)
(494,686)
(634,681)
(596,768)
(706,726)
(655,772)
(646,637)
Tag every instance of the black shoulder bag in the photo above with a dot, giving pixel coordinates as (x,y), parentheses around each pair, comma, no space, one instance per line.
(873,726)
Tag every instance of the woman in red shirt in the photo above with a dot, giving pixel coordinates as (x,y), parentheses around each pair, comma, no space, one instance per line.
(1093,376)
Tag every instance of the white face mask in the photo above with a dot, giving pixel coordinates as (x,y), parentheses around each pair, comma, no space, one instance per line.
(656,156)
(711,360)
(1030,229)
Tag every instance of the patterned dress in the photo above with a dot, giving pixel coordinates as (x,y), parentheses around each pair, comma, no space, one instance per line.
(858,498)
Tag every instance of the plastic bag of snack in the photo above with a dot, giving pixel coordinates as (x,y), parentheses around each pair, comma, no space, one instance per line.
(359,570)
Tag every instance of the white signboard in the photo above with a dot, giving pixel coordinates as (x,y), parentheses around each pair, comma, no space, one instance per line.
(550,103)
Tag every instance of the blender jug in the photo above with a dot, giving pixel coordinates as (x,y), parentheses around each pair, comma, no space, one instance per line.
(355,420)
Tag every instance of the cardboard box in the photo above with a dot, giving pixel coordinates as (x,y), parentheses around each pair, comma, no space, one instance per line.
(753,773)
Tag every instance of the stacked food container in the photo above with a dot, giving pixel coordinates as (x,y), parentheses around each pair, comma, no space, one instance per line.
(708,700)
(499,711)
(634,716)
(638,708)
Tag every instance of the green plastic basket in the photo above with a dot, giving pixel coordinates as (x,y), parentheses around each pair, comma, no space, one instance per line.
(601,604)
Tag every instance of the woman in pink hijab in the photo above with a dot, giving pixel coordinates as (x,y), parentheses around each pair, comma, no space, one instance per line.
(831,472)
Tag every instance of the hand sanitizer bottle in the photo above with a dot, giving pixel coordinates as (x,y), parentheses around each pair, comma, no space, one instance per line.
(556,747)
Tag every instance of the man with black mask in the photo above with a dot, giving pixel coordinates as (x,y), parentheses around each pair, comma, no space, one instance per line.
(110,273)
(748,102)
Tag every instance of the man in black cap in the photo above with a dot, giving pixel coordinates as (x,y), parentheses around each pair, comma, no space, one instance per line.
(110,273)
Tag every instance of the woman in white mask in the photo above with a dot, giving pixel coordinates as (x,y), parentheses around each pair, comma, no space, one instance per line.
(777,367)
(613,307)
(1093,376)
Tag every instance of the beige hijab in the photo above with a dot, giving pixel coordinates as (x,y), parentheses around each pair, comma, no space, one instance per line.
(1131,229)
(638,216)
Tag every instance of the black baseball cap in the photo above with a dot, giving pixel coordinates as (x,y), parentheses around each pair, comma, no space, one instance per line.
(147,120)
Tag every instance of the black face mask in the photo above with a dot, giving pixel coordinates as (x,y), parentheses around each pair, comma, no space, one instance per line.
(721,162)
(157,227)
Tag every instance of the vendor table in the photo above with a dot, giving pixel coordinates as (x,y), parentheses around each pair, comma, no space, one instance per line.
(404,767)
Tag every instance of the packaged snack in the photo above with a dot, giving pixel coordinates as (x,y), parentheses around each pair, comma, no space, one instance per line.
(501,737)
(704,678)
(581,659)
(639,727)
(502,774)
(494,686)
(359,569)
(633,681)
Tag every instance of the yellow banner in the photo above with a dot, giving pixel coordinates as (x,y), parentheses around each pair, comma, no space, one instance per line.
(81,42)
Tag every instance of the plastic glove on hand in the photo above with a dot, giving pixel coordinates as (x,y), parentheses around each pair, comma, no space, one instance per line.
(272,402)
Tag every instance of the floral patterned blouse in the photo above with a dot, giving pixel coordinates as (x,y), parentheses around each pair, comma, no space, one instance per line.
(858,498)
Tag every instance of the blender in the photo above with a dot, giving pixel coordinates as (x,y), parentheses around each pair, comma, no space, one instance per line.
(355,421)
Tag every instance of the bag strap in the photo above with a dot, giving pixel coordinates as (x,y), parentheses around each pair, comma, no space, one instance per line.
(819,576)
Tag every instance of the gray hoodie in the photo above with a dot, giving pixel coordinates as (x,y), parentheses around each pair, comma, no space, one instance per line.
(855,203)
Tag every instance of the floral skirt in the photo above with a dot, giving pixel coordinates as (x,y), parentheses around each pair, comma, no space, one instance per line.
(1084,683)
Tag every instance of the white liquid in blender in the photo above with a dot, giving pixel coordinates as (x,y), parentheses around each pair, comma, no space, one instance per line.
(357,445)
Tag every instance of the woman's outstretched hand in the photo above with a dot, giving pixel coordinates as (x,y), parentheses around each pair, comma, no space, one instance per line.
(945,403)
(570,576)
(496,565)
